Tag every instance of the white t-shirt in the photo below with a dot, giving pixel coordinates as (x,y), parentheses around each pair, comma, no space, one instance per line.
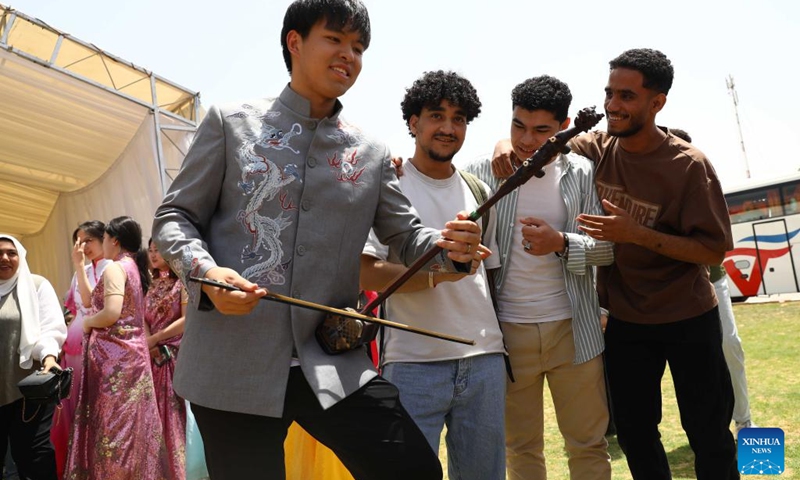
(462,308)
(534,289)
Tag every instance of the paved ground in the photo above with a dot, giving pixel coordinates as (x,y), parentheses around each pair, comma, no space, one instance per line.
(783,297)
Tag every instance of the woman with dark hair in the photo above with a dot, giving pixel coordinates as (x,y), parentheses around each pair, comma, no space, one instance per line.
(32,331)
(116,433)
(165,316)
(87,244)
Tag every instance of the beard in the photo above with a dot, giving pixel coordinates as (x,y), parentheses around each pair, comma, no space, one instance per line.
(441,157)
(438,157)
(635,127)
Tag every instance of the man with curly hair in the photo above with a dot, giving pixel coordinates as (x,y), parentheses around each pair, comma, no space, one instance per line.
(666,214)
(547,302)
(441,383)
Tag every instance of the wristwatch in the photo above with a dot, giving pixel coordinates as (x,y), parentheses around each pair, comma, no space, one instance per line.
(564,255)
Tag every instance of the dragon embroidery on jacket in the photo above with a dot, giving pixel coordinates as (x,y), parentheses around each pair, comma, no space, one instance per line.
(185,266)
(346,168)
(279,140)
(266,234)
(249,111)
(263,180)
(253,163)
(350,135)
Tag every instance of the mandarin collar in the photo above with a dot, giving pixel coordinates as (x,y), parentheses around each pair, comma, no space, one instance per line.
(302,107)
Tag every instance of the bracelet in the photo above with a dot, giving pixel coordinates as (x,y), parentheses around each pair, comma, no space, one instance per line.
(566,247)
(430,279)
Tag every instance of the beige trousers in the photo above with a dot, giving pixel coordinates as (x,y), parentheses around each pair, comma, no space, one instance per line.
(547,350)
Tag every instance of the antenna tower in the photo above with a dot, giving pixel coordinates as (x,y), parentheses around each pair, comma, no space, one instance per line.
(732,91)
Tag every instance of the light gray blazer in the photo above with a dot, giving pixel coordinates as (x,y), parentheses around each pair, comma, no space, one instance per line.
(287,201)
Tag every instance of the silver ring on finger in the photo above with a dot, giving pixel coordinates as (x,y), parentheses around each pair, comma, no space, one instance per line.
(526,245)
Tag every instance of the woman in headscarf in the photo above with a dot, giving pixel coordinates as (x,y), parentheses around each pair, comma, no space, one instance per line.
(116,434)
(32,331)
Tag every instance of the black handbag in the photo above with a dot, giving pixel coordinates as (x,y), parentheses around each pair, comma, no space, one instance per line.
(51,387)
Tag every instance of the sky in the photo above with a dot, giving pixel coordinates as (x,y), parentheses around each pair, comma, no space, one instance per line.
(230,52)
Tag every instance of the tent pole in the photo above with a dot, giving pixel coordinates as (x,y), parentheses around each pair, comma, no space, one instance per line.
(56,49)
(159,147)
(9,24)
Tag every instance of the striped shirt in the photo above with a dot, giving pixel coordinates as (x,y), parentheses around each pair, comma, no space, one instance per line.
(580,196)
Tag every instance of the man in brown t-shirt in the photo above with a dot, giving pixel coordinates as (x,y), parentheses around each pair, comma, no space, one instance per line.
(668,219)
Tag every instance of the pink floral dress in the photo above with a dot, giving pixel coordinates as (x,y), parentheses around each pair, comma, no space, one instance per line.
(163,302)
(73,357)
(116,433)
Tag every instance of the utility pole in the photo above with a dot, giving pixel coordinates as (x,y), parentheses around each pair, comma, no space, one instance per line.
(732,91)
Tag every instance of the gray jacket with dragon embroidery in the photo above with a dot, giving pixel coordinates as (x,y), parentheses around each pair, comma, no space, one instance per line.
(288,202)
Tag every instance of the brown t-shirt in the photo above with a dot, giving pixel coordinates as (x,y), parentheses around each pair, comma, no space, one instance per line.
(673,190)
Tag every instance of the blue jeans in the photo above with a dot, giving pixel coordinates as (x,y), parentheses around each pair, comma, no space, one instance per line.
(467,395)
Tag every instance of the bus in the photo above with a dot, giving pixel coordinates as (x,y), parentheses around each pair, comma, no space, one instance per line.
(765,221)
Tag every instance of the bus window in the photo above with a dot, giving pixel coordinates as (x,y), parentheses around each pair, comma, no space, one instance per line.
(774,207)
(735,207)
(754,205)
(738,208)
(791,198)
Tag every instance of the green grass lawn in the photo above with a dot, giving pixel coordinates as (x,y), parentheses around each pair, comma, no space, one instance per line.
(770,335)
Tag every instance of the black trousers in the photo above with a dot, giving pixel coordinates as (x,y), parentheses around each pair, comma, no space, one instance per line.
(31,448)
(370,432)
(636,356)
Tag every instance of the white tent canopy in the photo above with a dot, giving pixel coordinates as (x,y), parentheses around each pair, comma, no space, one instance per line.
(83,135)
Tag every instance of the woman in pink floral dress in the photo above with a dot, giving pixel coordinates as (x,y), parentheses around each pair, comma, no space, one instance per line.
(87,243)
(164,319)
(116,433)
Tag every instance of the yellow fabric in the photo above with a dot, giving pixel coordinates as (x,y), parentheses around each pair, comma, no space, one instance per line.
(131,186)
(57,135)
(33,37)
(307,459)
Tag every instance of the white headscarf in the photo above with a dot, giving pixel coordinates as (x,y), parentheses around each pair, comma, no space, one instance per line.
(28,303)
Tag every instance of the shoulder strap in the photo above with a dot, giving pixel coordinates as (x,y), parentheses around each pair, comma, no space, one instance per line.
(480,195)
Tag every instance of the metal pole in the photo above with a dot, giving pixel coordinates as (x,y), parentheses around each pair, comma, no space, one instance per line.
(9,24)
(159,148)
(732,90)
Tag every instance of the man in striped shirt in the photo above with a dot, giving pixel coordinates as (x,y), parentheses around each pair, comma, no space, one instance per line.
(547,302)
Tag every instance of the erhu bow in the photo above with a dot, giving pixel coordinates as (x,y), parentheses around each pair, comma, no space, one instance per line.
(351,330)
